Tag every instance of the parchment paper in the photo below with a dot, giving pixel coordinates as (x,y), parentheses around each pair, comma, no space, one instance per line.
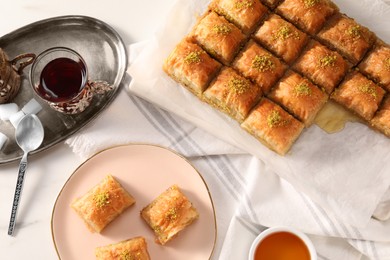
(346,172)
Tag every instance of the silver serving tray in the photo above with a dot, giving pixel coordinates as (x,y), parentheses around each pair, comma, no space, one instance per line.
(106,58)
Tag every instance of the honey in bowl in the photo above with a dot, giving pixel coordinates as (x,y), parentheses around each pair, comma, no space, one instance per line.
(282,246)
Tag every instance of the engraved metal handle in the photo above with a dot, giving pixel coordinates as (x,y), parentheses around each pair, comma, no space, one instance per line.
(18,191)
(30,57)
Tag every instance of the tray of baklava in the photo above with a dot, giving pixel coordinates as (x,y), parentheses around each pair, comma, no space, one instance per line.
(272,65)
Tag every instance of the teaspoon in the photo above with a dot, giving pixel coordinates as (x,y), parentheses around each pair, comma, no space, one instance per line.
(29,136)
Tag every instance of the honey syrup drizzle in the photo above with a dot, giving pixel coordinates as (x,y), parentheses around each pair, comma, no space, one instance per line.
(333,117)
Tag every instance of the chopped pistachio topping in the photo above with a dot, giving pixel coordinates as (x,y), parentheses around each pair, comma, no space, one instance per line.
(126,255)
(102,199)
(354,31)
(302,89)
(222,29)
(157,230)
(369,89)
(274,118)
(193,57)
(240,4)
(263,63)
(328,60)
(172,214)
(284,32)
(311,3)
(387,63)
(238,86)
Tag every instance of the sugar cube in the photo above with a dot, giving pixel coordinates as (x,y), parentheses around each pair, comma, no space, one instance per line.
(32,107)
(7,110)
(3,139)
(15,118)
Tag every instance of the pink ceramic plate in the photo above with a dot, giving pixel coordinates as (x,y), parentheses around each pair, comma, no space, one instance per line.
(144,171)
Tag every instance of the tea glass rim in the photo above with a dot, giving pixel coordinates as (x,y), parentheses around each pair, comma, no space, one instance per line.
(45,53)
(272,230)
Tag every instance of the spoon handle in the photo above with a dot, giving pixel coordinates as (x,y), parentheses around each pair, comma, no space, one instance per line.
(18,191)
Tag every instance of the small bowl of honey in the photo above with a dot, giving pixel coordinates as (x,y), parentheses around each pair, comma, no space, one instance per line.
(282,243)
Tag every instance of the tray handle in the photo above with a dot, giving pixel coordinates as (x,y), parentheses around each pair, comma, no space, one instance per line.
(30,59)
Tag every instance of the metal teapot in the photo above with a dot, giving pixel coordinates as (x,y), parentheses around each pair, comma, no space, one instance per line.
(10,73)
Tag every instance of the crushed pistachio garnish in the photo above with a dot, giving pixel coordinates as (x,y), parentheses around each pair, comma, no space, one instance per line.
(311,3)
(354,31)
(263,63)
(157,230)
(222,29)
(328,60)
(172,214)
(102,199)
(238,86)
(369,89)
(302,89)
(240,4)
(193,57)
(126,255)
(284,32)
(387,63)
(274,119)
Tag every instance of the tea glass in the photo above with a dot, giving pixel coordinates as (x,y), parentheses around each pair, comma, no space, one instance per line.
(56,69)
(273,230)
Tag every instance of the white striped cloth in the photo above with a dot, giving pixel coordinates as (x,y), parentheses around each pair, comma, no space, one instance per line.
(248,195)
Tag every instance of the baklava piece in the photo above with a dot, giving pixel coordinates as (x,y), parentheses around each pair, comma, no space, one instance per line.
(281,37)
(245,14)
(135,248)
(348,37)
(377,65)
(191,66)
(299,96)
(218,37)
(324,67)
(232,94)
(271,3)
(381,120)
(102,204)
(273,126)
(359,94)
(260,66)
(308,15)
(169,214)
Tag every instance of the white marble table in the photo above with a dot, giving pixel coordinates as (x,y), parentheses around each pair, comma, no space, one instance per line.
(48,171)
(135,20)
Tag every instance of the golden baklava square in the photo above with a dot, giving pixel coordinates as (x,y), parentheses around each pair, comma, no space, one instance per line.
(218,37)
(359,94)
(135,248)
(271,3)
(260,66)
(299,96)
(351,39)
(245,14)
(273,126)
(377,65)
(102,204)
(381,120)
(326,68)
(308,15)
(233,94)
(281,37)
(191,66)
(169,213)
